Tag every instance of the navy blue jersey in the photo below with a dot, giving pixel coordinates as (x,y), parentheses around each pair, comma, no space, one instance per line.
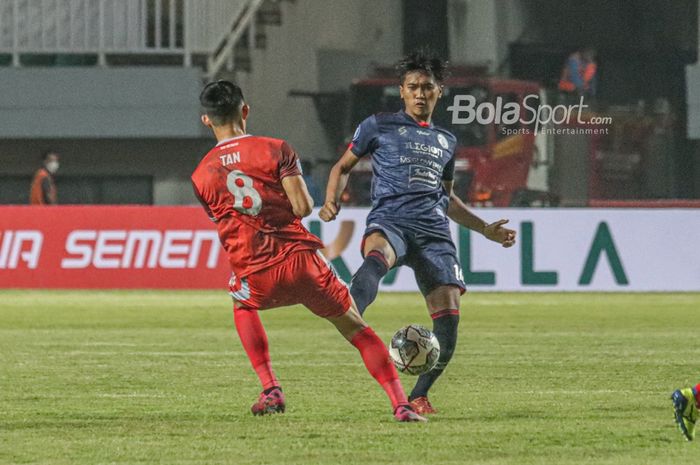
(409,163)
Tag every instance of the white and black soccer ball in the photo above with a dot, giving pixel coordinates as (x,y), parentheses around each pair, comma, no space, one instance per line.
(414,349)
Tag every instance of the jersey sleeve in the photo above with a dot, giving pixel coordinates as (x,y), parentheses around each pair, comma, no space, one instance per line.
(448,173)
(364,140)
(203,202)
(289,162)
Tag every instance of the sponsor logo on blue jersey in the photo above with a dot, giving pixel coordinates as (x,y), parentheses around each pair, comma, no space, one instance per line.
(431,150)
(423,175)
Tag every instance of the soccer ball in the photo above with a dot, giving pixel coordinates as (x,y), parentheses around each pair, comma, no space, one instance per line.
(414,349)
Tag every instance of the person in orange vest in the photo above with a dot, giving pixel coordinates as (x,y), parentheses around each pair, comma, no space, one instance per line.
(579,75)
(43,190)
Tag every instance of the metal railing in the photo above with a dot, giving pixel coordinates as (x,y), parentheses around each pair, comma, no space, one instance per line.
(103,27)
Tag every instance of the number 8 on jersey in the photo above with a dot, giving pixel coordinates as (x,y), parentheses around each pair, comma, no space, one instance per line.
(245,198)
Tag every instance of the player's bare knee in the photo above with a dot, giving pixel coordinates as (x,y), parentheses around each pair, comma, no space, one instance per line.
(443,297)
(349,324)
(376,241)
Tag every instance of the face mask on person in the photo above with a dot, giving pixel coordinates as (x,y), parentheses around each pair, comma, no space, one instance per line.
(52,167)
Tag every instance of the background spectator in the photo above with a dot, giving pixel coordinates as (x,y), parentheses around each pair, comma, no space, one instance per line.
(579,75)
(43,189)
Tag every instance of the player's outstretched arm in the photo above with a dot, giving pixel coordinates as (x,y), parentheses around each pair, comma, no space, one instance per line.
(458,212)
(337,181)
(298,194)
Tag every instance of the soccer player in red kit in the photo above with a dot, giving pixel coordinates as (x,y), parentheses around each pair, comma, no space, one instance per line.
(252,188)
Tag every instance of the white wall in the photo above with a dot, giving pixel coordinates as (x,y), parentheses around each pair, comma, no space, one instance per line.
(473,34)
(481,31)
(366,29)
(692,79)
(94,102)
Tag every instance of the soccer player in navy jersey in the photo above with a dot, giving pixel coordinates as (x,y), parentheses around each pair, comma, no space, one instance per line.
(412,199)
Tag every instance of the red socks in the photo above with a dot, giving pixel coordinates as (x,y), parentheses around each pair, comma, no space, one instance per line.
(696,391)
(376,357)
(254,340)
(373,351)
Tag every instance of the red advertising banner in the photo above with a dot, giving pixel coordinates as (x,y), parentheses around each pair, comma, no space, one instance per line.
(107,247)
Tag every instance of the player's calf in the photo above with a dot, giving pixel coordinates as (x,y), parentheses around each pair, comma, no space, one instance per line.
(365,283)
(445,324)
(254,340)
(374,354)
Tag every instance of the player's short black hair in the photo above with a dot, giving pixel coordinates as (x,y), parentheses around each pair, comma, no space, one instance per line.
(221,101)
(425,61)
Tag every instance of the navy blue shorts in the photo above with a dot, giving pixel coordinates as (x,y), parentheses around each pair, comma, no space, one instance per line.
(432,257)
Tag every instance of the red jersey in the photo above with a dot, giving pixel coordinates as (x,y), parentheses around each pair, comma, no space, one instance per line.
(239,183)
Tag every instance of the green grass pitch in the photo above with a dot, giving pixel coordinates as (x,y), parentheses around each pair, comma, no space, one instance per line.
(160,377)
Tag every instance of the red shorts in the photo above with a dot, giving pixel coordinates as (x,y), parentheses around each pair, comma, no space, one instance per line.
(305,277)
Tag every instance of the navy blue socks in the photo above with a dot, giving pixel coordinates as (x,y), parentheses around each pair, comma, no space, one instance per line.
(365,283)
(445,325)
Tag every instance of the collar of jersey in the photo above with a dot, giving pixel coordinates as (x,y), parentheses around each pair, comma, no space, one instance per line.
(408,117)
(233,138)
